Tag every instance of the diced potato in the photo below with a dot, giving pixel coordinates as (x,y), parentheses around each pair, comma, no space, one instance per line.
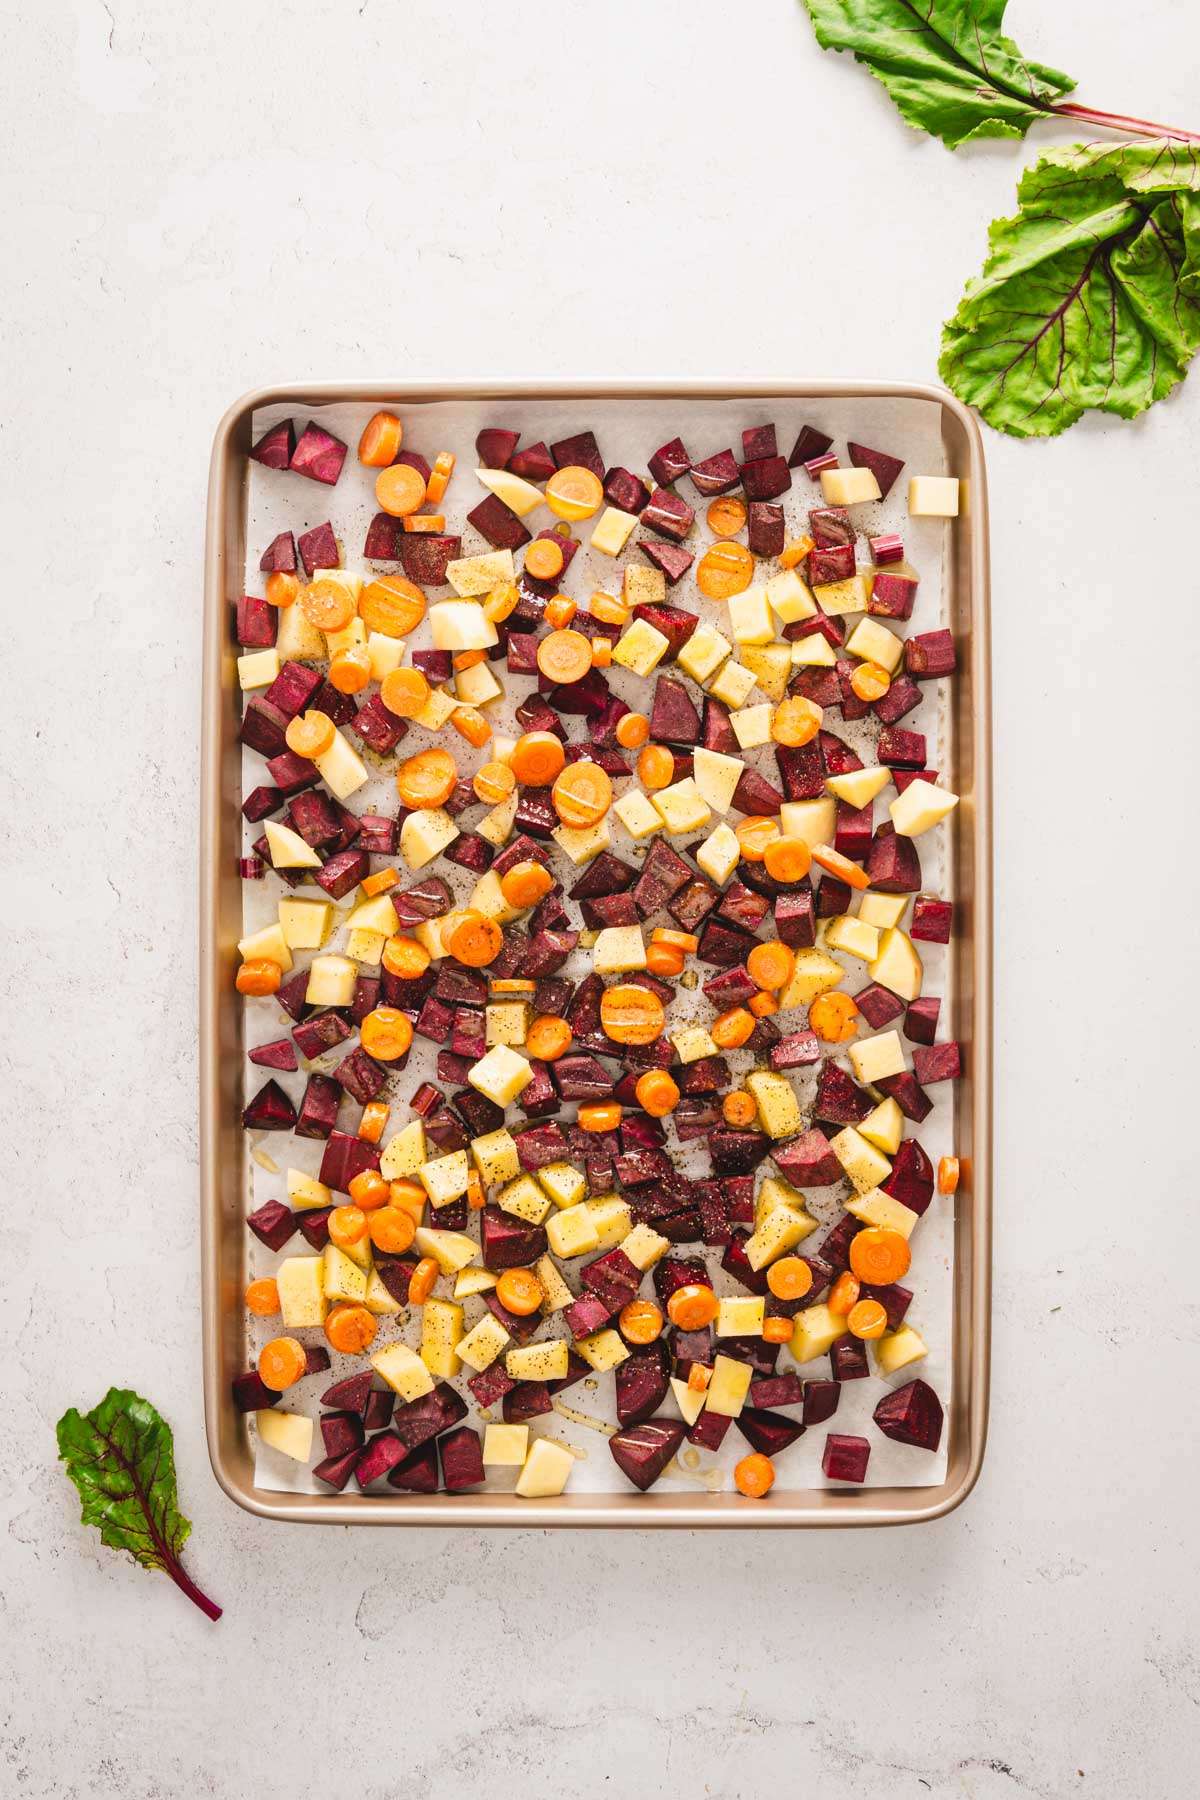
(477,686)
(403,1371)
(619,949)
(751,617)
(853,937)
(896,1349)
(774,1192)
(441,706)
(518,495)
(642,648)
(643,586)
(682,807)
(741,1315)
(933,496)
(874,1059)
(538,1362)
(445,1177)
(472,1280)
(859,788)
(877,1208)
(487,897)
(495,1156)
(507,1022)
(572,1232)
(814,821)
(340,767)
(920,807)
(611,1220)
(585,844)
(450,1250)
(565,1184)
(296,640)
(726,1392)
(404,1153)
(703,653)
(555,1293)
(884,1127)
(377,1300)
(501,1075)
(813,973)
(779,1111)
(429,934)
(386,653)
(289,1433)
(376,914)
(690,1401)
(788,597)
(485,1341)
(613,530)
(873,642)
(480,574)
(603,1350)
(640,819)
(692,1042)
(425,834)
(882,910)
(342,1278)
(441,1334)
(351,637)
(331,981)
(302,1301)
(366,948)
(461,625)
(719,854)
(360,1254)
(269,943)
(505,1446)
(732,685)
(865,1166)
(779,1231)
(288,849)
(496,827)
(897,966)
(752,725)
(644,1247)
(815,1328)
(257,669)
(305,1193)
(771,667)
(848,487)
(841,597)
(547,1469)
(813,652)
(524,1199)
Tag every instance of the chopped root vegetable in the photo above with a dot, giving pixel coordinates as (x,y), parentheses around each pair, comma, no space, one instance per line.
(754,1476)
(400,490)
(381,438)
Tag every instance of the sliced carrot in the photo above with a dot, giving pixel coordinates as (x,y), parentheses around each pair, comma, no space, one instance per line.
(879,1255)
(790,1278)
(391,605)
(347,1225)
(560,611)
(834,863)
(548,1038)
(834,1018)
(350,1328)
(777,1331)
(386,1034)
(258,976)
(392,1230)
(870,681)
(762,1005)
(421,1282)
(656,767)
(475,940)
(608,609)
(795,551)
(493,783)
(754,834)
(603,1115)
(754,1476)
(327,605)
(350,669)
(373,1123)
(368,1190)
(381,438)
(544,559)
(787,859)
(537,758)
(729,1030)
(405,692)
(520,1291)
(281,1362)
(738,1108)
(564,656)
(726,516)
(427,779)
(796,721)
(640,1321)
(867,1319)
(439,479)
(698,1378)
(582,794)
(471,724)
(601,653)
(770,965)
(725,570)
(948,1174)
(574,493)
(405,957)
(844,1293)
(526,883)
(476,1198)
(379,883)
(281,588)
(400,490)
(692,1306)
(665,960)
(657,1093)
(686,941)
(631,1015)
(426,524)
(469,659)
(633,730)
(262,1297)
(503,600)
(409,1196)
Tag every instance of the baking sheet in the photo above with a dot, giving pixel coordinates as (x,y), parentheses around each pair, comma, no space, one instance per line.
(628,431)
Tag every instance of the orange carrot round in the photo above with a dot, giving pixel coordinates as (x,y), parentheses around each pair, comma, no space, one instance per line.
(350,669)
(475,940)
(867,1319)
(787,859)
(405,692)
(730,1030)
(692,1307)
(548,1038)
(520,1291)
(391,605)
(631,1015)
(601,1115)
(422,1280)
(392,1230)
(725,570)
(790,1278)
(564,656)
(880,1256)
(726,516)
(281,588)
(796,721)
(386,1034)
(537,758)
(948,1174)
(582,795)
(870,681)
(310,734)
(656,767)
(777,1331)
(770,965)
(262,1297)
(544,559)
(834,1018)
(640,1321)
(258,976)
(738,1108)
(381,438)
(350,1328)
(754,1476)
(493,783)
(405,957)
(844,1292)
(753,836)
(281,1362)
(427,779)
(368,1190)
(327,605)
(400,490)
(574,493)
(526,883)
(657,1093)
(347,1225)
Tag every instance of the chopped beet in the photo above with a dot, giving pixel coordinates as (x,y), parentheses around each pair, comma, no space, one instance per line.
(833,897)
(836,755)
(345,1157)
(429,898)
(901,749)
(491,1385)
(810,443)
(377,1413)
(669,462)
(442,1126)
(343,872)
(625,490)
(911,1414)
(606,875)
(901,698)
(878,1006)
(717,732)
(642,1384)
(273,1224)
(932,919)
(677,626)
(498,524)
(832,528)
(821,686)
(836,563)
(921,1019)
(269,1110)
(693,903)
(378,728)
(534,463)
(755,1350)
(396,1272)
(768,1432)
(902,777)
(260,803)
(765,532)
(314,1226)
(527,1400)
(776,1390)
(250,869)
(852,706)
(754,794)
(462,1459)
(494,446)
(280,1054)
(716,474)
(579,452)
(251,1393)
(610,910)
(892,595)
(418,1472)
(643,1451)
(930,654)
(521,653)
(852,832)
(435,1021)
(664,872)
(425,557)
(508,1242)
(435,1412)
(256,623)
(341,1432)
(835,1246)
(801,771)
(759,441)
(765,479)
(848,1359)
(672,559)
(384,538)
(263,727)
(908,1094)
(381,1455)
(721,946)
(292,774)
(737,1152)
(885,468)
(312,816)
(839,1101)
(274,448)
(937,1062)
(673,717)
(820,1401)
(351,1394)
(845,1458)
(335,1471)
(893,865)
(323,1031)
(795,919)
(709,1430)
(590,1312)
(669,515)
(318,455)
(319,548)
(798,1050)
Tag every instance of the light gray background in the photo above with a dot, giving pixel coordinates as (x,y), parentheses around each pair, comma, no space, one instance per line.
(209,197)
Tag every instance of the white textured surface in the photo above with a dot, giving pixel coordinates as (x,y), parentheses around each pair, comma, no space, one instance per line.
(210,197)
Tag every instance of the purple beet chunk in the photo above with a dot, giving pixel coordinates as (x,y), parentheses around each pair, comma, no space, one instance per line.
(765,479)
(821,686)
(426,1418)
(643,1451)
(672,559)
(810,443)
(833,897)
(911,1414)
(707,1075)
(798,1050)
(839,1101)
(921,1019)
(837,758)
(612,1276)
(378,728)
(293,774)
(314,1227)
(769,1432)
(539,1097)
(718,734)
(343,872)
(361,1076)
(885,468)
(579,452)
(539,1145)
(930,654)
(848,1359)
(893,865)
(251,1393)
(836,563)
(274,450)
(831,526)
(693,903)
(507,1242)
(624,489)
(396,1272)
(642,1384)
(521,653)
(901,698)
(709,1430)
(892,595)
(716,474)
(424,558)
(845,1458)
(664,872)
(349,1395)
(318,455)
(669,462)
(591,1312)
(335,1471)
(494,446)
(742,907)
(319,548)
(534,463)
(908,1094)
(901,777)
(462,1459)
(723,947)
(770,1391)
(256,623)
(765,530)
(344,1157)
(319,1033)
(610,910)
(673,718)
(491,1385)
(498,524)
(418,1472)
(937,1062)
(801,771)
(341,708)
(754,794)
(527,1400)
(378,1410)
(381,1455)
(820,1401)
(429,898)
(852,830)
(384,538)
(279,1054)
(260,803)
(669,515)
(901,749)
(270,1110)
(263,727)
(273,1224)
(878,1006)
(293,688)
(795,920)
(737,1152)
(291,995)
(677,626)
(341,1432)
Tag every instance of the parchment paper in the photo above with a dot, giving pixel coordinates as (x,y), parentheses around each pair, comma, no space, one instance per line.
(628,432)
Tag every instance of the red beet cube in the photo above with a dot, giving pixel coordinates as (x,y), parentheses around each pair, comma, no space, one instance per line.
(892,596)
(319,548)
(498,524)
(937,1062)
(845,1458)
(534,463)
(810,443)
(765,479)
(836,563)
(579,452)
(274,449)
(765,532)
(921,1019)
(256,623)
(669,462)
(911,1415)
(929,655)
(716,474)
(318,455)
(494,446)
(932,919)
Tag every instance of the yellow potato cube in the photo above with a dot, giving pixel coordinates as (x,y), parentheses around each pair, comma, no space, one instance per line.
(450,1250)
(882,910)
(480,574)
(741,1315)
(779,1231)
(366,947)
(853,937)
(752,725)
(688,1400)
(732,685)
(546,1361)
(288,849)
(258,668)
(788,598)
(585,844)
(496,827)
(703,653)
(505,1446)
(779,1111)
(814,821)
(485,1341)
(920,807)
(440,707)
(342,1278)
(613,529)
(897,966)
(340,767)
(719,854)
(404,1153)
(331,981)
(864,1164)
(813,652)
(751,617)
(386,653)
(555,1293)
(873,642)
(640,819)
(445,1177)
(692,1042)
(884,1127)
(403,1371)
(572,1232)
(848,487)
(716,776)
(643,586)
(518,495)
(933,497)
(842,597)
(471,1281)
(495,1156)
(487,897)
(682,807)
(377,914)
(501,1075)
(644,1247)
(874,1059)
(477,686)
(289,1433)
(771,667)
(565,1184)
(377,1300)
(305,1193)
(726,1392)
(618,950)
(507,1022)
(813,973)
(896,1349)
(461,625)
(524,1199)
(547,1470)
(814,1330)
(877,1208)
(642,648)
(441,1333)
(859,788)
(425,834)
(268,943)
(602,1351)
(295,639)
(302,1301)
